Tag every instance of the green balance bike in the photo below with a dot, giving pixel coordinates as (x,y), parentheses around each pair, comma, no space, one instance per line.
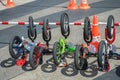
(62,47)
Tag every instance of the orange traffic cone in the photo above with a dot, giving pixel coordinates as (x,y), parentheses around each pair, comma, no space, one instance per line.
(84,4)
(10,3)
(95,27)
(72,5)
(95,33)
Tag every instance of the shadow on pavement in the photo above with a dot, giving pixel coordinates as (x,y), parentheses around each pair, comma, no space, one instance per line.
(49,66)
(12,62)
(28,8)
(118,71)
(27,67)
(91,71)
(69,70)
(8,63)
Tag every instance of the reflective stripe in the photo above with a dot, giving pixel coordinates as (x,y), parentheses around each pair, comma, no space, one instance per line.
(96,38)
(95,24)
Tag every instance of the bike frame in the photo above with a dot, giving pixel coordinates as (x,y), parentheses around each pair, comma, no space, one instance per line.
(64,46)
(24,46)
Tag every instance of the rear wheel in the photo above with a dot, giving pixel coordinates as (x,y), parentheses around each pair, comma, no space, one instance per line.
(34,57)
(80,62)
(14,49)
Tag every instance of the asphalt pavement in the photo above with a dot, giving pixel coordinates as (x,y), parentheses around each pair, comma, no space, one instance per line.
(52,9)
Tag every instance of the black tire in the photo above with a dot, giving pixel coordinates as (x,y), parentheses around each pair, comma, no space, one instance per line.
(64,24)
(33,58)
(46,33)
(87,33)
(15,40)
(31,26)
(57,58)
(30,37)
(110,26)
(80,63)
(102,57)
(32,34)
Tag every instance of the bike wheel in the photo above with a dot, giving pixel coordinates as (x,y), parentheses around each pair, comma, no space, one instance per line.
(110,26)
(32,37)
(87,33)
(57,53)
(80,62)
(46,31)
(34,57)
(31,26)
(102,57)
(64,24)
(14,49)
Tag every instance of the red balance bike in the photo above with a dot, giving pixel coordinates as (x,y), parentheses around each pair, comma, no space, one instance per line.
(102,49)
(20,48)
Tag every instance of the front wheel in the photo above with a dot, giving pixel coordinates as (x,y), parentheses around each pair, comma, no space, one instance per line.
(87,33)
(102,58)
(80,62)
(110,26)
(46,33)
(64,24)
(57,55)
(35,57)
